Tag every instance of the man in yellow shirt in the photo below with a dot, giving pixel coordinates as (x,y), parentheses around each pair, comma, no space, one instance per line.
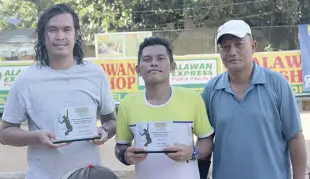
(162,120)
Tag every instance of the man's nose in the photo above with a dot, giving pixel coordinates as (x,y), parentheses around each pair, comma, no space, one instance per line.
(154,63)
(233,50)
(60,35)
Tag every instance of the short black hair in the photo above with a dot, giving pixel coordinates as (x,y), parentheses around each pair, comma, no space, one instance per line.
(151,41)
(41,55)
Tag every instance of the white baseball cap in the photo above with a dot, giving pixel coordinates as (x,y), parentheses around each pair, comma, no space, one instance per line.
(237,28)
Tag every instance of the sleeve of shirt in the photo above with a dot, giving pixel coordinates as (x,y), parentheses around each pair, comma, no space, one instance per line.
(289,110)
(107,105)
(123,132)
(202,126)
(15,106)
(206,98)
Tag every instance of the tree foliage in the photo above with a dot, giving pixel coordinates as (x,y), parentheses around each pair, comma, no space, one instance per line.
(97,15)
(134,15)
(256,12)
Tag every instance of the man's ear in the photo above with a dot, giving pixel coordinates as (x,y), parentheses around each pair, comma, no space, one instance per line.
(173,66)
(138,70)
(253,46)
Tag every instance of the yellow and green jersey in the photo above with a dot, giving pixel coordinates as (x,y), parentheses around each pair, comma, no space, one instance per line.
(183,115)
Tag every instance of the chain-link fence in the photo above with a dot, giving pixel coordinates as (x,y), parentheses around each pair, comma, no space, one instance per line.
(202,41)
(184,42)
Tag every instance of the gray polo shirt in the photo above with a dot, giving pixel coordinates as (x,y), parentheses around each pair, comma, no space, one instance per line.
(251,136)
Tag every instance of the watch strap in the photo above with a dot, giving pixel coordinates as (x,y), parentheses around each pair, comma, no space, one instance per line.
(195,154)
(121,157)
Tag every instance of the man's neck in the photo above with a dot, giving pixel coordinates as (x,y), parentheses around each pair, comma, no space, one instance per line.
(158,94)
(61,64)
(242,77)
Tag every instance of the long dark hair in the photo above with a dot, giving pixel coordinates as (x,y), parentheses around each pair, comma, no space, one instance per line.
(41,55)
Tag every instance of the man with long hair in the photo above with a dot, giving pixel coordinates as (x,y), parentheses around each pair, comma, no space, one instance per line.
(59,80)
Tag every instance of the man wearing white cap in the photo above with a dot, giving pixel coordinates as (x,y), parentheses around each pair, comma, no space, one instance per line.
(254,113)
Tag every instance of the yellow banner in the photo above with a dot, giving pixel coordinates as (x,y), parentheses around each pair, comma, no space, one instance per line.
(288,63)
(121,73)
(124,79)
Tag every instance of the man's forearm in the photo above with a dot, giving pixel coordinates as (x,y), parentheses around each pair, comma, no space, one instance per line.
(110,126)
(205,147)
(17,137)
(298,154)
(109,123)
(119,148)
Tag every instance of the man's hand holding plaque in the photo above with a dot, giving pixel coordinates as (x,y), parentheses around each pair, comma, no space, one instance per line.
(134,155)
(45,138)
(104,137)
(183,152)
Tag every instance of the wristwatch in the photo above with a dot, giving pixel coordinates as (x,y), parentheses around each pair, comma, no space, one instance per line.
(195,154)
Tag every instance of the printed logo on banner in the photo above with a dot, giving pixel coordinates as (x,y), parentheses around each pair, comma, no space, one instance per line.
(304,43)
(192,73)
(8,75)
(307,81)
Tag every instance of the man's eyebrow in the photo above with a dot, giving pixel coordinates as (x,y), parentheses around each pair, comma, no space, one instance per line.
(146,56)
(66,27)
(53,26)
